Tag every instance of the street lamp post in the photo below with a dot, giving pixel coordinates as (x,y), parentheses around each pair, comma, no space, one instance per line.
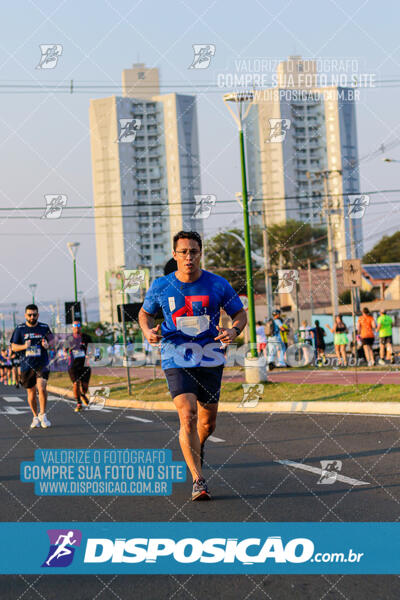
(32,287)
(238,99)
(73,249)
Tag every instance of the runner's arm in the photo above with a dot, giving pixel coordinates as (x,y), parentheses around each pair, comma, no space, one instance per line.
(146,324)
(20,347)
(239,320)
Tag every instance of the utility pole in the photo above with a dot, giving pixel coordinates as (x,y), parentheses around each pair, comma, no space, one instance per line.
(310,286)
(325,174)
(125,354)
(267,267)
(357,299)
(85,309)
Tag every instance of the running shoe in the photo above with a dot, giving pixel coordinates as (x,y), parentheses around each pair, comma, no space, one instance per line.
(78,407)
(35,423)
(381,362)
(44,422)
(200,490)
(202,454)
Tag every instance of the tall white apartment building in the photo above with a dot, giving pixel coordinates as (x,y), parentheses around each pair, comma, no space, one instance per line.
(294,130)
(145,166)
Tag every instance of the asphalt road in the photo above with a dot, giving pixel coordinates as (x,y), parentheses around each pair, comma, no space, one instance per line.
(247,481)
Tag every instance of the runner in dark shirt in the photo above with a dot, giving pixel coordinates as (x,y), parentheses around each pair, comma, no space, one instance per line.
(77,345)
(31,341)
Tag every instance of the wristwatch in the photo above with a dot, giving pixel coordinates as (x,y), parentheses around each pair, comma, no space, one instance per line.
(238,332)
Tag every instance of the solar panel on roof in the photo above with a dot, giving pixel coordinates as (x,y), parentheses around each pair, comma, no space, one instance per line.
(388,271)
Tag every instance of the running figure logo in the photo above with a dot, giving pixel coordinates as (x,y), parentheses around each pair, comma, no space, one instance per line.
(278,129)
(287,280)
(128,129)
(252,393)
(50,55)
(357,206)
(54,206)
(133,281)
(62,547)
(203,54)
(204,204)
(330,469)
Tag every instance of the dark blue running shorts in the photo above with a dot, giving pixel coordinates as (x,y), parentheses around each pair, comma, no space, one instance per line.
(204,382)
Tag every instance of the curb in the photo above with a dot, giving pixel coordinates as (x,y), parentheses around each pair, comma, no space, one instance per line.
(312,407)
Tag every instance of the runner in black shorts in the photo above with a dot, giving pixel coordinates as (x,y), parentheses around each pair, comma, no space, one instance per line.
(80,374)
(31,340)
(192,345)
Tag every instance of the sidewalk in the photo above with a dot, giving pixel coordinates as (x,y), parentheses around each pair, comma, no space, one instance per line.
(312,407)
(341,376)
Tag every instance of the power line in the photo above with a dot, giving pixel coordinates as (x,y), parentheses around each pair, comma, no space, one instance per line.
(191,202)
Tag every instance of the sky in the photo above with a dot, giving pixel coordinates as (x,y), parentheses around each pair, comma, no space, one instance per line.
(44,135)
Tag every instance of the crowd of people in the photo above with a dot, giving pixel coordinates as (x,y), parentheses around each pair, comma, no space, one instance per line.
(27,362)
(277,333)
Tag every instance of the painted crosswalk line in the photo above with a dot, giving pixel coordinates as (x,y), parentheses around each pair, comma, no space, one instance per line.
(14,410)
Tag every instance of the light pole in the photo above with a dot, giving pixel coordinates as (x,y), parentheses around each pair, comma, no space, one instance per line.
(239,117)
(73,249)
(32,287)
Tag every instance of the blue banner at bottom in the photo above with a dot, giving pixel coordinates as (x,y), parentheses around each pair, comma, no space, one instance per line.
(200,548)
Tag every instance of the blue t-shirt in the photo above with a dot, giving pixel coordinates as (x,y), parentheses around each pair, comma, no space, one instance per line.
(36,356)
(191,312)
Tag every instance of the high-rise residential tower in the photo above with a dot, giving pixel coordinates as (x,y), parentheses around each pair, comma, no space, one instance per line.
(295,131)
(145,164)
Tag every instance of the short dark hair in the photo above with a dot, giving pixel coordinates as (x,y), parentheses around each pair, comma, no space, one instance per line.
(366,310)
(188,235)
(31,307)
(317,322)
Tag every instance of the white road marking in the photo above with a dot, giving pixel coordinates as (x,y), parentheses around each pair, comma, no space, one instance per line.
(12,399)
(212,438)
(319,472)
(140,419)
(12,410)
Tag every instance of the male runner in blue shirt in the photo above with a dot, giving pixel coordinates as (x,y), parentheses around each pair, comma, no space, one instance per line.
(31,339)
(192,344)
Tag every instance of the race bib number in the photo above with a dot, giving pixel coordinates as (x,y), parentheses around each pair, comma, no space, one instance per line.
(78,353)
(193,325)
(33,351)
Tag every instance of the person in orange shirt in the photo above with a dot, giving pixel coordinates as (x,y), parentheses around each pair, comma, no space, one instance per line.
(365,327)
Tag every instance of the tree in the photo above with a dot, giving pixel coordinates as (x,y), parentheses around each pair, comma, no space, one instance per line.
(224,256)
(385,251)
(296,241)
